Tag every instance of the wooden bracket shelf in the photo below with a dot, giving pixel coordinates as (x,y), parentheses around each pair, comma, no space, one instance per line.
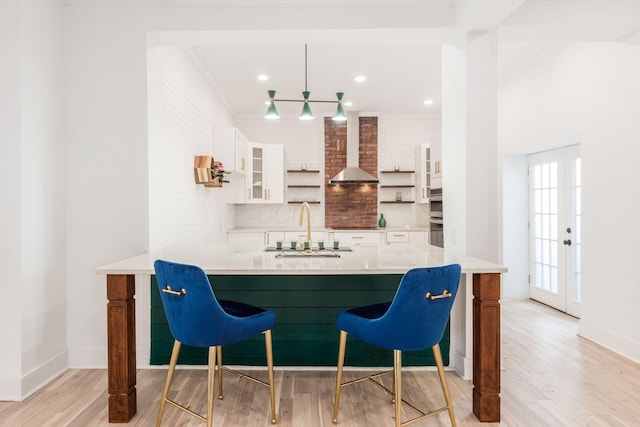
(293,202)
(303,171)
(399,202)
(397,171)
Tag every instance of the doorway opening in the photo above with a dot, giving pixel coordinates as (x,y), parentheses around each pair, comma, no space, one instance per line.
(555,228)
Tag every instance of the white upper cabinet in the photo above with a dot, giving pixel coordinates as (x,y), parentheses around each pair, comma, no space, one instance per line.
(230,147)
(436,166)
(274,173)
(423,173)
(265,173)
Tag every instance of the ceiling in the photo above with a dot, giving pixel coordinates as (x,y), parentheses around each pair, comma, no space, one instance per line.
(399,76)
(402,65)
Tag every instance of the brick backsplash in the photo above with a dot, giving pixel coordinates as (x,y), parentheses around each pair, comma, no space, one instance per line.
(350,206)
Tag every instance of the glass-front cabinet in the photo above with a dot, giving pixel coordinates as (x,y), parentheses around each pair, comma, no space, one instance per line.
(265,174)
(256,177)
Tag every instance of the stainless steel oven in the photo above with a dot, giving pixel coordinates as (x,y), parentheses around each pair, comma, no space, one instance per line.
(436,219)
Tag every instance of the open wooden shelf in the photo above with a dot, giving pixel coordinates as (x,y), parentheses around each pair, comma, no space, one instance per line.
(302,171)
(293,202)
(398,171)
(302,186)
(398,186)
(395,201)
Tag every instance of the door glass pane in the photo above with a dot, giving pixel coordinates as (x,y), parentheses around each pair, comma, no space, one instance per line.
(545,175)
(553,200)
(553,175)
(545,224)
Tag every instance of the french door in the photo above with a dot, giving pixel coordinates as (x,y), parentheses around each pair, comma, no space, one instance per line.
(554,228)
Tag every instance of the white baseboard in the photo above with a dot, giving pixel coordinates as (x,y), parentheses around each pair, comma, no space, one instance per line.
(18,389)
(610,340)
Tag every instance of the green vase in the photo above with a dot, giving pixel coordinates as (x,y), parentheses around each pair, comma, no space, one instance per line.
(382,223)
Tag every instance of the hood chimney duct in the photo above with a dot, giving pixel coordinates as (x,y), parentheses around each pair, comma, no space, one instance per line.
(352,174)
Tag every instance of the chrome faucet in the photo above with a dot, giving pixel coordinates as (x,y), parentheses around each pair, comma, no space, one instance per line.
(306,206)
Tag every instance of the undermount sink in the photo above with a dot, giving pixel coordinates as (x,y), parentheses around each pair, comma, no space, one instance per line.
(304,254)
(301,253)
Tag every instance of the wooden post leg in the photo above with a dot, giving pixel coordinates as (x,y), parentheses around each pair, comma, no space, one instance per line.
(121,331)
(486,346)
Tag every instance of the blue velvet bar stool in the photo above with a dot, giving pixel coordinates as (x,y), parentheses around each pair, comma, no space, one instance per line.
(414,320)
(198,319)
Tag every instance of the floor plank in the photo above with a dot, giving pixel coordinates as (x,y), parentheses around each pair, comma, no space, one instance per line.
(550,377)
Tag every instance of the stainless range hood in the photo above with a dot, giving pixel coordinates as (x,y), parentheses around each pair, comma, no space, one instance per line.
(352,174)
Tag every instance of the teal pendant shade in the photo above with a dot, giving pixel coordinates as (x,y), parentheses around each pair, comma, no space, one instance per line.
(306,110)
(272,113)
(340,115)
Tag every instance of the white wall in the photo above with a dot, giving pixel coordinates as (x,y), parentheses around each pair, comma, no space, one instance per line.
(482,216)
(589,93)
(32,222)
(10,244)
(454,145)
(183,110)
(107,164)
(398,138)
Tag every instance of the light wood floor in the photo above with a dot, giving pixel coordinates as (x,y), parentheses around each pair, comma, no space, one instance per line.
(550,377)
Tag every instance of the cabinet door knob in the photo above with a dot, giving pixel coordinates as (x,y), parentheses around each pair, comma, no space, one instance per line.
(567,242)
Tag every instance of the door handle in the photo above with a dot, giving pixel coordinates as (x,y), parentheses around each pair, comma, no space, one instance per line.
(567,242)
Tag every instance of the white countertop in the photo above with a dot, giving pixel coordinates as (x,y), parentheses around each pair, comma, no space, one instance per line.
(370,259)
(328,230)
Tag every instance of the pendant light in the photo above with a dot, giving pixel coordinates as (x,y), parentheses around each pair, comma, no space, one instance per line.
(272,113)
(305,114)
(340,116)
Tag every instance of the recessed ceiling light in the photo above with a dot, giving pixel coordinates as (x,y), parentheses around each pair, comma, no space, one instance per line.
(360,79)
(263,77)
(348,104)
(428,102)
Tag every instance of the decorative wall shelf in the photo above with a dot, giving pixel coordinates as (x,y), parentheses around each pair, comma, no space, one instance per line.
(208,171)
(398,171)
(398,202)
(297,193)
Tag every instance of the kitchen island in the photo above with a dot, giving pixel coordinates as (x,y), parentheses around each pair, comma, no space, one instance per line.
(475,320)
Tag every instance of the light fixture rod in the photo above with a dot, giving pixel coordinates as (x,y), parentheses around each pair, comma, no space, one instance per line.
(305,67)
(302,100)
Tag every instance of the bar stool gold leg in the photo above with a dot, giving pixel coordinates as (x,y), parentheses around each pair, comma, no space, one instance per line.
(397,383)
(172,367)
(272,391)
(219,351)
(443,381)
(211,385)
(341,351)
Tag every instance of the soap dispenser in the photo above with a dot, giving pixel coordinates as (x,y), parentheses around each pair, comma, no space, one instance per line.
(382,223)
